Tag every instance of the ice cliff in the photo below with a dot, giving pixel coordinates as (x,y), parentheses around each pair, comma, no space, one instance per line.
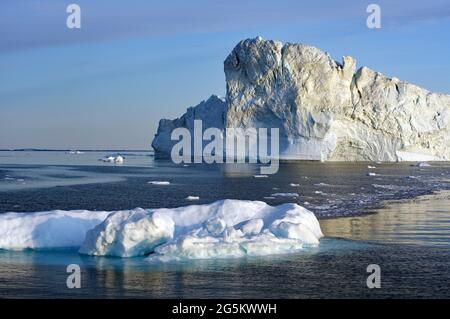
(325,110)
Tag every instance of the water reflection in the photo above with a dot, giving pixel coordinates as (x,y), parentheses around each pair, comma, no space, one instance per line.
(425,221)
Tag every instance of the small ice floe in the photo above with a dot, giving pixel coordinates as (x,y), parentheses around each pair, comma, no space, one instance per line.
(371,167)
(275,188)
(294,185)
(391,187)
(75,152)
(269,197)
(306,203)
(322,184)
(412,177)
(185,165)
(318,192)
(423,164)
(159,182)
(285,195)
(371,174)
(192,198)
(113,159)
(260,176)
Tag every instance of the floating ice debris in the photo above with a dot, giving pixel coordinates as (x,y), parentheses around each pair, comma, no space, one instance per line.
(192,198)
(306,203)
(185,165)
(371,167)
(371,174)
(423,164)
(113,159)
(391,187)
(75,152)
(322,184)
(269,197)
(294,185)
(285,195)
(159,182)
(318,192)
(275,188)
(260,176)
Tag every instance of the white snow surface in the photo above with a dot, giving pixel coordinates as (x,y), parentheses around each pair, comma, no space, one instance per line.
(43,230)
(223,229)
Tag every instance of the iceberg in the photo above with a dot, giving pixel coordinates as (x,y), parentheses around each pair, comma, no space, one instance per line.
(223,229)
(324,109)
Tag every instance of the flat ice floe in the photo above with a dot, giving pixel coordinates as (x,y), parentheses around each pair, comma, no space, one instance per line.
(223,229)
(159,182)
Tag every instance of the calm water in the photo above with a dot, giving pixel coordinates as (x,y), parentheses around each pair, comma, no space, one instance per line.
(410,243)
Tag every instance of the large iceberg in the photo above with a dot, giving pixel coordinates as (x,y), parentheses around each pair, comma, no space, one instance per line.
(223,229)
(325,110)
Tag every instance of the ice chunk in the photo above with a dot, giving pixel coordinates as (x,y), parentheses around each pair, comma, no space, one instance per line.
(192,198)
(253,226)
(223,229)
(285,195)
(159,182)
(113,159)
(128,233)
(423,164)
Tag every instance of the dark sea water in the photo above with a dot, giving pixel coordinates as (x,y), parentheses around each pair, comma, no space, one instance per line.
(41,181)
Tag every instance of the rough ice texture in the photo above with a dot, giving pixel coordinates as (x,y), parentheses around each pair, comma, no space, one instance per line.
(223,229)
(44,230)
(325,110)
(211,112)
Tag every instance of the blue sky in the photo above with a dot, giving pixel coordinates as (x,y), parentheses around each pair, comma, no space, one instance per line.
(107,84)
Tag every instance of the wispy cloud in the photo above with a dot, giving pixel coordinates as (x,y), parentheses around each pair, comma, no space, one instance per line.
(33,23)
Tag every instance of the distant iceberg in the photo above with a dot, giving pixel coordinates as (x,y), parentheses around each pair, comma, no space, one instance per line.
(223,229)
